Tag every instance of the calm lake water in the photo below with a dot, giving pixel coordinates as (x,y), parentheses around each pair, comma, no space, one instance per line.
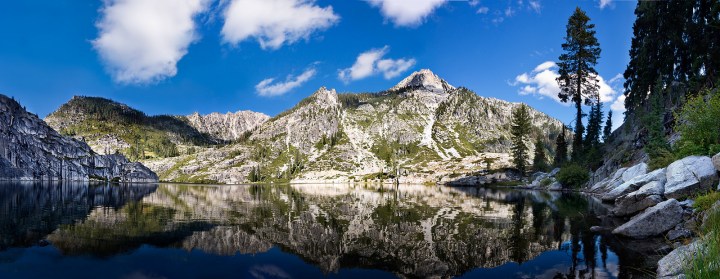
(302,231)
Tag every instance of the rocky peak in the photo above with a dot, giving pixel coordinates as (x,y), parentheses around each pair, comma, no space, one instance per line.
(326,97)
(424,79)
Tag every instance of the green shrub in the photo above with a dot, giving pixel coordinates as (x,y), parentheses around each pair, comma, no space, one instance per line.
(704,202)
(697,122)
(573,176)
(545,182)
(662,159)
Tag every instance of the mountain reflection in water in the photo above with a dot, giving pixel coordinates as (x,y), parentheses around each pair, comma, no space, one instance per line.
(301,231)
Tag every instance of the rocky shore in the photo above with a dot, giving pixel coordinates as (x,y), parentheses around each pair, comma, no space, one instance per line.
(654,204)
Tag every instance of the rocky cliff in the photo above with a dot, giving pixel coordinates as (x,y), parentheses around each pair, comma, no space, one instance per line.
(31,150)
(229,126)
(423,128)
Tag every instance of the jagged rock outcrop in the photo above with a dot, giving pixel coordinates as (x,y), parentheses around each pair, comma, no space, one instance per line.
(634,184)
(31,150)
(229,126)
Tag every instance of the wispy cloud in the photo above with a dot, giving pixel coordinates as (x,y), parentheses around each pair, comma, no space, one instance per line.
(274,23)
(606,3)
(407,13)
(269,87)
(371,62)
(535,6)
(142,41)
(482,10)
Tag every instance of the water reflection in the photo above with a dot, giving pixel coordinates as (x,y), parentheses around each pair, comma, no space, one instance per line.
(410,231)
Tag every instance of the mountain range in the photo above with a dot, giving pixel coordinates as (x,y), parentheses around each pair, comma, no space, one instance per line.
(423,129)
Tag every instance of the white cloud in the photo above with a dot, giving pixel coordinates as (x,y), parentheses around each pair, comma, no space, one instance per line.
(483,10)
(407,13)
(275,22)
(535,6)
(269,88)
(473,3)
(605,3)
(618,108)
(509,12)
(141,41)
(541,81)
(370,62)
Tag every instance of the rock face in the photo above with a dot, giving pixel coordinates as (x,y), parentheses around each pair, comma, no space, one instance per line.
(229,126)
(653,221)
(31,150)
(690,175)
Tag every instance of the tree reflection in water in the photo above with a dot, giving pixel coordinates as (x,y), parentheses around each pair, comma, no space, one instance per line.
(412,231)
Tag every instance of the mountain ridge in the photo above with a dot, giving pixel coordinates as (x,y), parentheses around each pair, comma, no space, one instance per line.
(423,127)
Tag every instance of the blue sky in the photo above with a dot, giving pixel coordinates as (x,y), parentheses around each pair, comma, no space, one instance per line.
(182,56)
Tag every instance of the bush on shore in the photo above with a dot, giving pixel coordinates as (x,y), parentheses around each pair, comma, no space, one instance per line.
(573,176)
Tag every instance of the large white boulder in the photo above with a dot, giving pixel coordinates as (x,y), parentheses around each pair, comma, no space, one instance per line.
(690,175)
(653,221)
(634,184)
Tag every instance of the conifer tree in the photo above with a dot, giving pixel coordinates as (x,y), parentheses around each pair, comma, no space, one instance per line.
(560,149)
(520,131)
(592,138)
(578,78)
(539,159)
(607,130)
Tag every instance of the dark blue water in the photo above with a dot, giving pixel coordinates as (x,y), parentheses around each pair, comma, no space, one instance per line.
(302,231)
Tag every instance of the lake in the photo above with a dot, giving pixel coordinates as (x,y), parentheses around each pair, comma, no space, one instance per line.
(153,231)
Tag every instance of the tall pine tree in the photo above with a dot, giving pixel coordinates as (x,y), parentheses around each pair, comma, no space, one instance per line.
(520,130)
(539,158)
(578,78)
(560,149)
(607,130)
(592,138)
(673,41)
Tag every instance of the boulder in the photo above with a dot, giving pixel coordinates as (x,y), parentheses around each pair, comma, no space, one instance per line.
(678,233)
(630,206)
(653,221)
(716,161)
(634,184)
(690,175)
(673,264)
(538,176)
(634,171)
